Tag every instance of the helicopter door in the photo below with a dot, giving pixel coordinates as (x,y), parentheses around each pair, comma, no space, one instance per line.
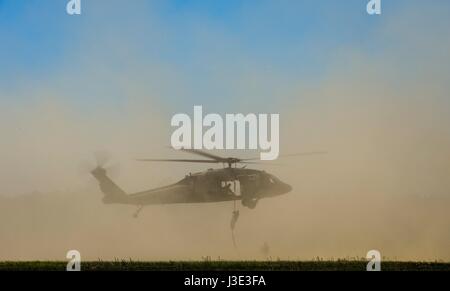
(233,186)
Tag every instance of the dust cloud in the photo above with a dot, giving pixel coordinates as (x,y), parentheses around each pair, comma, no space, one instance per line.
(383,117)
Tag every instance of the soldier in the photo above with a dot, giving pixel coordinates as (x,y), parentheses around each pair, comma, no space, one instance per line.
(234,219)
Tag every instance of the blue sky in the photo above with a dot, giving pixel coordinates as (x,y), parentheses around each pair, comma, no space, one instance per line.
(200,44)
(39,41)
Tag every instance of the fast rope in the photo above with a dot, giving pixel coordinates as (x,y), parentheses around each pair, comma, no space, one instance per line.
(234,219)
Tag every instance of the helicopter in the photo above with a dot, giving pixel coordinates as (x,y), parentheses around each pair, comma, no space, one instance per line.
(230,183)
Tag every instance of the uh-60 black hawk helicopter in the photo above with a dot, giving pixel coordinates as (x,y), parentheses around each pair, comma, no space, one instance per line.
(230,183)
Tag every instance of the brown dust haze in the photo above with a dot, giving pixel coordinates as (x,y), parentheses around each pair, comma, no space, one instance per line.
(383,117)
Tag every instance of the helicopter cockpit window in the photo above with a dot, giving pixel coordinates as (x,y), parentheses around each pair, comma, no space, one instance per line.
(269,179)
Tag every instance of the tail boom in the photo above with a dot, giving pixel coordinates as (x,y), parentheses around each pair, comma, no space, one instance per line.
(112,192)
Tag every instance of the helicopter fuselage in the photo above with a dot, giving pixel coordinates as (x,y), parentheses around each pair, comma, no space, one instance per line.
(212,185)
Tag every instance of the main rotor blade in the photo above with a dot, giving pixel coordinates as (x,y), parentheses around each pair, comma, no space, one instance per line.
(290,155)
(304,154)
(207,155)
(178,160)
(266,163)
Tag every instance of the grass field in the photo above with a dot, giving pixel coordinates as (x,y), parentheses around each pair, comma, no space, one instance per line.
(343,265)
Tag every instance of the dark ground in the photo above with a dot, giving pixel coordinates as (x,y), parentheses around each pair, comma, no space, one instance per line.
(226,266)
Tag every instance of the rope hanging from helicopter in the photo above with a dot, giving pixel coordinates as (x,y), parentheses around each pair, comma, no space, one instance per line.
(234,218)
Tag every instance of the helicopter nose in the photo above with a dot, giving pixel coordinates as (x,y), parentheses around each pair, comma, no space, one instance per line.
(285,188)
